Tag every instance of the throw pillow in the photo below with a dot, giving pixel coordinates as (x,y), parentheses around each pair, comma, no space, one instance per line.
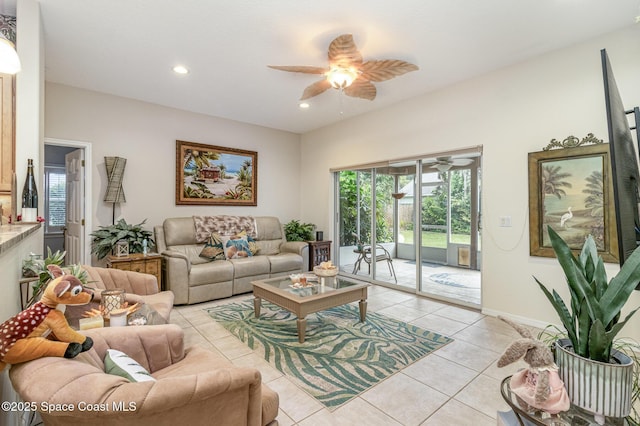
(213,249)
(236,247)
(120,364)
(253,244)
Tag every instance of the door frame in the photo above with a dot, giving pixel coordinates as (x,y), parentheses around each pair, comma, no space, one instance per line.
(86,147)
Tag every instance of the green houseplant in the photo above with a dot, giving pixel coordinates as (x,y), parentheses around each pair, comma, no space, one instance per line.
(106,237)
(297,231)
(592,320)
(38,268)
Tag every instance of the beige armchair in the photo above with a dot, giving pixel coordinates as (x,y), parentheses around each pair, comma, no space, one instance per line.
(194,386)
(138,287)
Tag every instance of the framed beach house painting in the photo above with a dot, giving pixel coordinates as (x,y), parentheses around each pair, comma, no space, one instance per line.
(570,189)
(214,175)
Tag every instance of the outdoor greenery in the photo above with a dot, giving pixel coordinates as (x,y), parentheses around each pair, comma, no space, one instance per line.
(595,316)
(355,208)
(296,231)
(436,239)
(434,208)
(105,238)
(355,203)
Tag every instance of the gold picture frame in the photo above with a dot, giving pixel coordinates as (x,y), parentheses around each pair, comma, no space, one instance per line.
(571,190)
(215,175)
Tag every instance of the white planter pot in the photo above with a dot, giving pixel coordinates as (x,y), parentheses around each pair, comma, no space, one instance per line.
(600,388)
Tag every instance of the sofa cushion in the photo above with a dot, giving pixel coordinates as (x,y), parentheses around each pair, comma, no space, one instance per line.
(179,231)
(285,262)
(213,248)
(250,266)
(211,272)
(120,364)
(269,247)
(192,252)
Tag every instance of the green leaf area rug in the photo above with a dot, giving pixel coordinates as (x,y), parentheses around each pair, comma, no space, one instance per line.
(340,358)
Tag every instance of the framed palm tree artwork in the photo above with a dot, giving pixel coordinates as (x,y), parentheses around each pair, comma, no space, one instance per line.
(214,175)
(570,189)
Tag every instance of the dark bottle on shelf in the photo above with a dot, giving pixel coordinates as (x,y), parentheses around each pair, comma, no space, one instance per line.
(30,196)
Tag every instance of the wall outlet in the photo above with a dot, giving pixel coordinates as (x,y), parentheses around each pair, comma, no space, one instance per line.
(505,221)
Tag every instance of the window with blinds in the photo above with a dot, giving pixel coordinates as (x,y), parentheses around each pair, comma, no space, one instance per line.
(55,199)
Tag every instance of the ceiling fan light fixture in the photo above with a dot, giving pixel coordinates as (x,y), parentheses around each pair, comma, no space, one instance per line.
(181,69)
(341,77)
(442,167)
(9,60)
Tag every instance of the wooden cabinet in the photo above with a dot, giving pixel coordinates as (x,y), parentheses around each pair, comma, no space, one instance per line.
(319,251)
(7,138)
(138,262)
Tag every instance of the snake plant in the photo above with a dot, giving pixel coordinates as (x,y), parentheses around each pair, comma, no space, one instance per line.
(595,316)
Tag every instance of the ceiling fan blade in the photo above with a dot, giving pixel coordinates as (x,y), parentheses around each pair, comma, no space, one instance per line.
(343,52)
(361,89)
(315,89)
(300,68)
(385,69)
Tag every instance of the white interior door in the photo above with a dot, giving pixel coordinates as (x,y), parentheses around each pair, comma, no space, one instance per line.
(74,235)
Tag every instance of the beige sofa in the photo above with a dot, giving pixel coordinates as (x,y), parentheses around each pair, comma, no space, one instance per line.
(194,386)
(194,279)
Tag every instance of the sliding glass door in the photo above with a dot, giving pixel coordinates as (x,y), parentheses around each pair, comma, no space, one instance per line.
(412,225)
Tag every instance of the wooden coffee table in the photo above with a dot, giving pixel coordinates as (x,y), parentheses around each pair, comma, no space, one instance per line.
(323,294)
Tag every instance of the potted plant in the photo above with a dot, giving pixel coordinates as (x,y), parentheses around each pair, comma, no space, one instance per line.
(38,268)
(106,238)
(297,231)
(598,378)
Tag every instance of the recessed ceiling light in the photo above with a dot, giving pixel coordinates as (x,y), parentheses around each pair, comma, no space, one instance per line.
(304,105)
(180,69)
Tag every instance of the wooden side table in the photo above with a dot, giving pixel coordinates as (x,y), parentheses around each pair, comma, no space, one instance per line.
(138,262)
(319,251)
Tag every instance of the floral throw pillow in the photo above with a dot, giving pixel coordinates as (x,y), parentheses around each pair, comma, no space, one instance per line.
(253,244)
(213,248)
(236,247)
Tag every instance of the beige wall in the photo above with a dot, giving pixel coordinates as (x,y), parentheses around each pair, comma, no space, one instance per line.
(510,112)
(145,134)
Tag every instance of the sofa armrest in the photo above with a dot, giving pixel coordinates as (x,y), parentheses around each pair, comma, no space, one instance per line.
(177,270)
(171,393)
(297,247)
(154,347)
(172,254)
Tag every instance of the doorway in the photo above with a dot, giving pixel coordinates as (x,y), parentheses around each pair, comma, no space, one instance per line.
(413,225)
(67,201)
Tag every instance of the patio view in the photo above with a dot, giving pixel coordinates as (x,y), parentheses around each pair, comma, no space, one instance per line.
(431,216)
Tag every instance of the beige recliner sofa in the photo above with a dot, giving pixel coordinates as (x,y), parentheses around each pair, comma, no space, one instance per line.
(194,386)
(139,287)
(194,279)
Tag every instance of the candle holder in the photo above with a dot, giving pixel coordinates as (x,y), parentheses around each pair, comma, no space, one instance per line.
(122,248)
(111,300)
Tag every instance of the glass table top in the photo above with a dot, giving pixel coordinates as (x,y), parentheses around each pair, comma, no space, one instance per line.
(315,285)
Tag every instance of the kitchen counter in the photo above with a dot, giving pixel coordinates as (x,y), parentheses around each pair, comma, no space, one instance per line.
(10,235)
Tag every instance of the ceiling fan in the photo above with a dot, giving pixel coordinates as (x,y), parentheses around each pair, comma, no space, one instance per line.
(442,164)
(348,72)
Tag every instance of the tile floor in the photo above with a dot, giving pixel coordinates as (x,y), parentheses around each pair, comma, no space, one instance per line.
(444,282)
(456,385)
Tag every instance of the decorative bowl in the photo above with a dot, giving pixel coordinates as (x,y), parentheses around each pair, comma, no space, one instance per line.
(321,272)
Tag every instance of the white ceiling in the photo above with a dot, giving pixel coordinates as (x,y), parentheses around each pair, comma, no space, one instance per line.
(128,48)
